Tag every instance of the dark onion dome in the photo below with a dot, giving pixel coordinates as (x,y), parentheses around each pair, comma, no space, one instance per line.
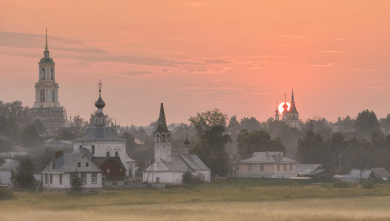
(100,103)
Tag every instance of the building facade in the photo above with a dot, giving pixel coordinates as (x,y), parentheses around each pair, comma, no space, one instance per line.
(47,103)
(267,165)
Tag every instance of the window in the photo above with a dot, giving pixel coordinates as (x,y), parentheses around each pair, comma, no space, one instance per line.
(43,74)
(291,167)
(157,179)
(42,95)
(108,170)
(108,154)
(93,149)
(129,172)
(284,167)
(53,95)
(46,178)
(87,164)
(51,178)
(158,138)
(250,168)
(163,138)
(60,180)
(261,167)
(79,164)
(84,178)
(116,154)
(94,178)
(278,168)
(52,73)
(80,146)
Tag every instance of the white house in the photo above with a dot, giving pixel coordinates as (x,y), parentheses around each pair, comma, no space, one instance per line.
(6,171)
(102,141)
(169,168)
(57,175)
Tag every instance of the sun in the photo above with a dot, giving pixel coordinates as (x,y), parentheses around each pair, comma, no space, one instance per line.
(280,108)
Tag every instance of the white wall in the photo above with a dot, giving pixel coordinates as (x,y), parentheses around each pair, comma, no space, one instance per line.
(66,179)
(165,177)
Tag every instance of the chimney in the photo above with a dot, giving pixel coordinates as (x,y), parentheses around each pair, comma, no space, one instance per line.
(58,154)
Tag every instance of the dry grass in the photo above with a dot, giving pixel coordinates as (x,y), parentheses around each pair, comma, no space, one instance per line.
(255,203)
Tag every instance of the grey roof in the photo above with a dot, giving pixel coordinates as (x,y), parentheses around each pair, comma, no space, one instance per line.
(381,172)
(355,174)
(194,162)
(177,164)
(8,166)
(268,157)
(63,163)
(309,169)
(99,134)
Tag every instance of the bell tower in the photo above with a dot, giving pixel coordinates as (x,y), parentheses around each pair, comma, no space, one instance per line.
(46,89)
(162,144)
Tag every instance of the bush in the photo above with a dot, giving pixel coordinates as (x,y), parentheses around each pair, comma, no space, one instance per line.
(368,184)
(5,193)
(342,184)
(76,183)
(188,178)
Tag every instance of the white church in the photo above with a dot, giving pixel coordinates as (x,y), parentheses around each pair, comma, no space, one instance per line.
(168,168)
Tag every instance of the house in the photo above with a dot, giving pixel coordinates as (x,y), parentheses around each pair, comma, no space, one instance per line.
(58,174)
(6,170)
(168,168)
(356,176)
(381,174)
(267,165)
(311,170)
(113,169)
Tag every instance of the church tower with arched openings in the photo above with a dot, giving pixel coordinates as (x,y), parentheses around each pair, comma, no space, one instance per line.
(162,144)
(47,105)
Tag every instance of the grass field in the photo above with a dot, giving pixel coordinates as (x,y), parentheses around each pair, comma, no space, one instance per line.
(204,203)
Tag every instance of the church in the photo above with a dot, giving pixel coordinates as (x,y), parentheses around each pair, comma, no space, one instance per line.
(103,142)
(47,107)
(168,168)
(290,115)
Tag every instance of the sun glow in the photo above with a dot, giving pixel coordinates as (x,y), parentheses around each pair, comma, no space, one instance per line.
(280,108)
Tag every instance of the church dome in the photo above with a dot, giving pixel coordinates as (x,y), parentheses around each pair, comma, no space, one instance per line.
(100,103)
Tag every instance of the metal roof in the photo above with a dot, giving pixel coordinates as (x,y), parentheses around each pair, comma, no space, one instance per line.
(381,172)
(356,174)
(99,134)
(309,169)
(63,163)
(194,162)
(268,157)
(185,162)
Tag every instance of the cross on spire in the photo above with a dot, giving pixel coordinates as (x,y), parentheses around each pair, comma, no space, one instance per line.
(100,85)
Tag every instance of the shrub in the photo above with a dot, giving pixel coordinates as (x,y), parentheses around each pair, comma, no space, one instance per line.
(188,178)
(5,193)
(342,184)
(76,183)
(368,184)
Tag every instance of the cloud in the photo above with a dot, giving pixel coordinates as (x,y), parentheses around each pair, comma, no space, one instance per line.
(333,52)
(217,61)
(254,68)
(292,36)
(133,73)
(358,69)
(320,64)
(212,88)
(175,52)
(264,56)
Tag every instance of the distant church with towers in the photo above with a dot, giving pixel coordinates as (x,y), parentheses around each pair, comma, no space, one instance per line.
(47,107)
(290,114)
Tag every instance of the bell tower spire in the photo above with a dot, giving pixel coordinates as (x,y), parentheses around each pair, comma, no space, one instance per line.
(46,47)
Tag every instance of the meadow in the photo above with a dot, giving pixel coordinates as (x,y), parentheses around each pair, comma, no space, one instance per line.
(292,202)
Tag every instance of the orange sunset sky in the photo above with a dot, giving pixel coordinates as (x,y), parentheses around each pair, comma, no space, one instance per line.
(238,56)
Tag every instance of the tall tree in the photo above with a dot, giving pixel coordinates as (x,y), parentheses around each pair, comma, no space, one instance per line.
(257,141)
(206,120)
(130,144)
(107,119)
(250,124)
(30,136)
(366,123)
(65,134)
(234,124)
(79,122)
(211,150)
(39,126)
(311,148)
(24,175)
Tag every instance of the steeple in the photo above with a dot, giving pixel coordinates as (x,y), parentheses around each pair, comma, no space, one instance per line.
(276,112)
(46,52)
(162,124)
(293,109)
(46,47)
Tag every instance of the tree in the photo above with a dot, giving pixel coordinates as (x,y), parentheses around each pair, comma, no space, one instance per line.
(66,134)
(257,141)
(5,144)
(234,124)
(311,148)
(211,150)
(79,122)
(75,182)
(206,120)
(385,122)
(24,176)
(39,126)
(130,144)
(366,123)
(30,136)
(107,119)
(250,124)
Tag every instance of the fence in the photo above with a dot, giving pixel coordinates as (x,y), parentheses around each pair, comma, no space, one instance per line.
(136,185)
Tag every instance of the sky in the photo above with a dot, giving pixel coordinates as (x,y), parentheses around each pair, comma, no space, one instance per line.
(193,56)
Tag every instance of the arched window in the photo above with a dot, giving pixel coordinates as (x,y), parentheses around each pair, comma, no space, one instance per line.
(116,154)
(52,73)
(53,95)
(108,153)
(42,95)
(80,146)
(168,138)
(163,138)
(93,149)
(43,74)
(158,138)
